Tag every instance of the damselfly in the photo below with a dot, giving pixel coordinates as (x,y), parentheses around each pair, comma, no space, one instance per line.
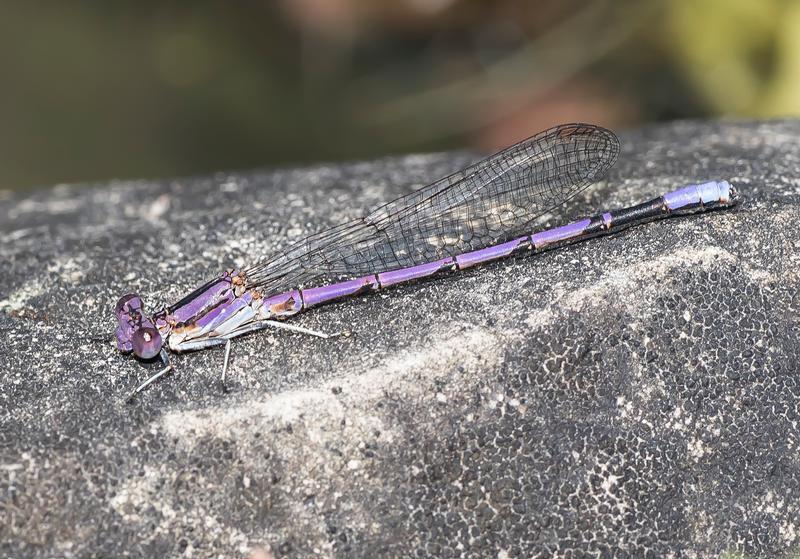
(481,213)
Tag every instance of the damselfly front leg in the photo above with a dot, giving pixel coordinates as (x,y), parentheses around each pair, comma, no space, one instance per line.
(167,368)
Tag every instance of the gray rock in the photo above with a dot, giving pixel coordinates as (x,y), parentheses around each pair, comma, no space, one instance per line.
(632,395)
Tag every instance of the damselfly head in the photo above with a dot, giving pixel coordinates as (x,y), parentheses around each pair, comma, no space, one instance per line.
(135,331)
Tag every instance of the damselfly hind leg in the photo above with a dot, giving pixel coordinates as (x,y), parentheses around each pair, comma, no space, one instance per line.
(167,368)
(301,330)
(225,365)
(263,324)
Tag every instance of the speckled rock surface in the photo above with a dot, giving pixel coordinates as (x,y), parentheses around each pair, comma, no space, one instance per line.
(634,395)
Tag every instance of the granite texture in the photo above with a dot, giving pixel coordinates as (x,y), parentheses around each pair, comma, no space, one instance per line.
(636,395)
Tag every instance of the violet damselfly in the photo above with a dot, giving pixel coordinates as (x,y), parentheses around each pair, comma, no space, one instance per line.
(479,214)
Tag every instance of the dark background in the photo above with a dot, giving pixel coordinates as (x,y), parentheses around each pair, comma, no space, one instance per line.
(99,90)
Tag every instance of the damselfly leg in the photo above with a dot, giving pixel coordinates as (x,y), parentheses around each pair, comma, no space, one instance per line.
(262,324)
(225,340)
(167,368)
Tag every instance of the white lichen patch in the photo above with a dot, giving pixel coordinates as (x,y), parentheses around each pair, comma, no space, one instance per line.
(617,285)
(139,496)
(788,532)
(608,491)
(19,299)
(71,270)
(138,492)
(51,206)
(697,449)
(340,414)
(407,373)
(156,208)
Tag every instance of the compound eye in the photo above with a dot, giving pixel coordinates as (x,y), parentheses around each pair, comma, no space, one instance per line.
(127,303)
(146,342)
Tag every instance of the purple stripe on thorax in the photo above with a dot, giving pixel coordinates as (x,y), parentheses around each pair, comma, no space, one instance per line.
(607,219)
(413,272)
(490,253)
(318,295)
(556,234)
(218,291)
(220,314)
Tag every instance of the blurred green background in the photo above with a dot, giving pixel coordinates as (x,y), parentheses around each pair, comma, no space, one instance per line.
(99,90)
